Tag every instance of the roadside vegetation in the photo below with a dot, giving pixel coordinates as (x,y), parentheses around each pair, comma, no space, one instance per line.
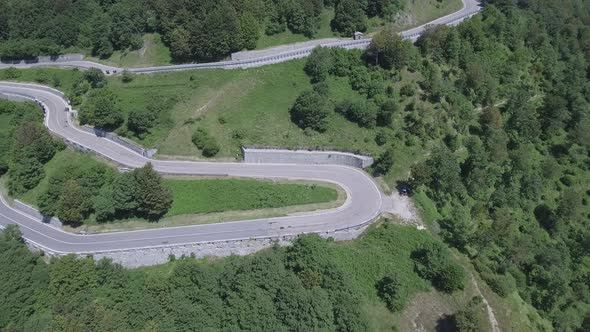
(315,284)
(488,122)
(133,32)
(81,190)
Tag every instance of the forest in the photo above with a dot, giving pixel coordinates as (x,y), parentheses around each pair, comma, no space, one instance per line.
(503,109)
(312,285)
(499,108)
(78,189)
(203,30)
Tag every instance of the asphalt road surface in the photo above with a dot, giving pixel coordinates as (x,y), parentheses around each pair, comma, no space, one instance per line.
(363,203)
(264,57)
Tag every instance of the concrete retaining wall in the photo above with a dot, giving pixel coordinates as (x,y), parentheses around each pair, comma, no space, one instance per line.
(153,256)
(13,97)
(119,140)
(46,59)
(31,211)
(284,156)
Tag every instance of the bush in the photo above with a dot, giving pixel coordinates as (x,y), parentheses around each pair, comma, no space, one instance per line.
(310,111)
(361,112)
(318,64)
(381,138)
(95,77)
(433,262)
(470,318)
(407,90)
(12,73)
(102,110)
(385,161)
(501,284)
(449,278)
(205,142)
(126,77)
(41,76)
(392,291)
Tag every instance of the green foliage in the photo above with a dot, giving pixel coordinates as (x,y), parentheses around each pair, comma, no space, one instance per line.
(264,291)
(389,50)
(74,204)
(361,112)
(71,189)
(152,196)
(385,162)
(126,76)
(310,110)
(25,279)
(206,196)
(26,147)
(433,262)
(318,64)
(104,205)
(470,319)
(102,110)
(393,292)
(441,172)
(95,77)
(205,142)
(349,17)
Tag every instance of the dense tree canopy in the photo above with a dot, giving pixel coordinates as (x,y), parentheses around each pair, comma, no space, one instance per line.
(499,108)
(25,145)
(300,288)
(192,29)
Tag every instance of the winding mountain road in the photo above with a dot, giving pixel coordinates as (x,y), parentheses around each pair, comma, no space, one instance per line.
(363,204)
(259,58)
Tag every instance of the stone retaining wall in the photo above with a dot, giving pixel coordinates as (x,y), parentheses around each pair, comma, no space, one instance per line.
(119,140)
(153,256)
(46,59)
(284,156)
(31,211)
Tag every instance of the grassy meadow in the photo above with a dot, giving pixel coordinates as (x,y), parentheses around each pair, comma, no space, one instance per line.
(194,195)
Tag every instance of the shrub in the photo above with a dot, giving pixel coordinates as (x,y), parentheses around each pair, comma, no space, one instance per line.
(126,77)
(95,77)
(407,90)
(361,112)
(381,138)
(205,142)
(385,161)
(310,111)
(449,278)
(11,73)
(433,262)
(318,64)
(102,110)
(501,284)
(392,291)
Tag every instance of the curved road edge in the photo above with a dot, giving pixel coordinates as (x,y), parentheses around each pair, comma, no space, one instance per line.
(469,8)
(362,206)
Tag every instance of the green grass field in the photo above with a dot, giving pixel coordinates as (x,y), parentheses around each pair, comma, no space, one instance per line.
(218,195)
(193,195)
(238,107)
